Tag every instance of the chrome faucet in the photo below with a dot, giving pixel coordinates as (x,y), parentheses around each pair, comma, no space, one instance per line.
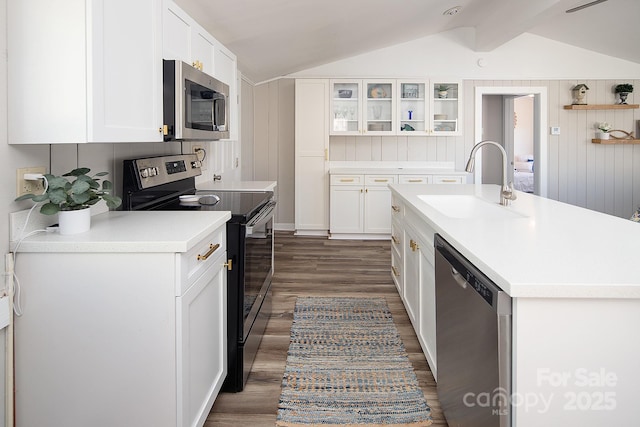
(507,194)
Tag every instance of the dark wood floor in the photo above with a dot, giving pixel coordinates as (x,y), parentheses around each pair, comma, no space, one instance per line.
(314,266)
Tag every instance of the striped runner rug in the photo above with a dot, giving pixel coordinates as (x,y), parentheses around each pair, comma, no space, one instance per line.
(347,367)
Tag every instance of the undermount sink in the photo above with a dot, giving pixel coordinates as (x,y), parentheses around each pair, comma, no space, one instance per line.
(468,207)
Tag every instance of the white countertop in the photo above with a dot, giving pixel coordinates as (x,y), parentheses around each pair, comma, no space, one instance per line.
(223,185)
(137,231)
(394,168)
(553,250)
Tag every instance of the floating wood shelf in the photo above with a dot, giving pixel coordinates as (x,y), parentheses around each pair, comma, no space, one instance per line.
(602,107)
(615,141)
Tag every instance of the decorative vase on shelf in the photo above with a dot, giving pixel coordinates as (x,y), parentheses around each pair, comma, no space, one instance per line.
(442,94)
(602,135)
(623,97)
(74,222)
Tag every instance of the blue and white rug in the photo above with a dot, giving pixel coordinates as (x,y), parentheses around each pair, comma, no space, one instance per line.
(347,367)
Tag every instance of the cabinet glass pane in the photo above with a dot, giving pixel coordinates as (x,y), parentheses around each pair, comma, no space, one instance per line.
(379,114)
(412,107)
(345,107)
(445,107)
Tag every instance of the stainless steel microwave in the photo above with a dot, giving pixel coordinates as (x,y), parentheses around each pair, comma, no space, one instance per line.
(195,105)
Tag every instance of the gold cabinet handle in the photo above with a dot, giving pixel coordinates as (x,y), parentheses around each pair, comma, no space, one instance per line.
(449,180)
(229,264)
(346,180)
(326,154)
(395,239)
(395,208)
(413,245)
(395,271)
(212,249)
(380,180)
(415,180)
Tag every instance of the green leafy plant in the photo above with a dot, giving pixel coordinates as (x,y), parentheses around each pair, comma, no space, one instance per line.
(443,88)
(604,127)
(624,87)
(69,195)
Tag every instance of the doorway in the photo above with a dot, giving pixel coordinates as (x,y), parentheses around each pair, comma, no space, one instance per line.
(496,119)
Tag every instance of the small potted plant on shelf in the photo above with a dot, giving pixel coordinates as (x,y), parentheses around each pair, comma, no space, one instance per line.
(443,91)
(71,199)
(623,90)
(603,129)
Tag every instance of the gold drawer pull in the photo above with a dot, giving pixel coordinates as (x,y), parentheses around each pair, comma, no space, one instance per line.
(395,239)
(413,245)
(395,271)
(229,264)
(212,249)
(449,180)
(395,208)
(346,180)
(380,180)
(415,180)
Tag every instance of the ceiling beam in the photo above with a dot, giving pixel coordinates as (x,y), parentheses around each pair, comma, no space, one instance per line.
(509,19)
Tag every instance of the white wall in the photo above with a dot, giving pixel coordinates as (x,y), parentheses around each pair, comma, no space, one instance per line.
(273,151)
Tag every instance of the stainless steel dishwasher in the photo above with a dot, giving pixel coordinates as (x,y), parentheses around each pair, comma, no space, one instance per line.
(473,338)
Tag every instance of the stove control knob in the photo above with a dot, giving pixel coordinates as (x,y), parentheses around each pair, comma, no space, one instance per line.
(153,171)
(196,164)
(144,173)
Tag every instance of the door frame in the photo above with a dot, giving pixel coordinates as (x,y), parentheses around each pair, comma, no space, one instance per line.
(541,139)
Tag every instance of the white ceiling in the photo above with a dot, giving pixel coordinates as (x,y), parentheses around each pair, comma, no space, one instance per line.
(273,38)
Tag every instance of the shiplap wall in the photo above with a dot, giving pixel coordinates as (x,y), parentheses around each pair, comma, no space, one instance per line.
(605,178)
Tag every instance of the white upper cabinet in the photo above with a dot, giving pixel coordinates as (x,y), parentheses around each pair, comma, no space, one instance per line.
(411,107)
(184,39)
(84,71)
(446,107)
(423,108)
(360,107)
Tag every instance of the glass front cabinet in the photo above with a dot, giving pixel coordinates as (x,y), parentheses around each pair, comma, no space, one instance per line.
(360,107)
(445,117)
(395,107)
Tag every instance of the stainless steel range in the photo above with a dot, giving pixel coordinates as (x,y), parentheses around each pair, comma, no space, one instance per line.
(168,183)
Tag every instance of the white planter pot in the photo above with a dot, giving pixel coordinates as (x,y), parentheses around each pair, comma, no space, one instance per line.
(74,222)
(602,135)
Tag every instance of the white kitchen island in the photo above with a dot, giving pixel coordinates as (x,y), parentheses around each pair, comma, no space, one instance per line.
(574,278)
(124,325)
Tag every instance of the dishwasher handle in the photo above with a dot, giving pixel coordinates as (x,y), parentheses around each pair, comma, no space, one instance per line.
(458,278)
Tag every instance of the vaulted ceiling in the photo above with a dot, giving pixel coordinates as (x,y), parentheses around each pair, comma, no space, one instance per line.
(277,37)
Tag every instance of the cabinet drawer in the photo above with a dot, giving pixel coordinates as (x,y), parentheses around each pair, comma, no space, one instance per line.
(414,179)
(382,180)
(194,262)
(451,179)
(347,179)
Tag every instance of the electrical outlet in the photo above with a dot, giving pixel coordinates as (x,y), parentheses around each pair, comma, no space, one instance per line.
(26,187)
(201,153)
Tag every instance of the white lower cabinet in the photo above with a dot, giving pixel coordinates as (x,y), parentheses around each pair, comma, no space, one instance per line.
(121,339)
(413,272)
(359,204)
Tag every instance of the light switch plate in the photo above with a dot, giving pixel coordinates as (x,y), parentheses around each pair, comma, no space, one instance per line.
(555,130)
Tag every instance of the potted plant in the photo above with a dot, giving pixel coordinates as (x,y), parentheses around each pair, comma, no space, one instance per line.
(442,91)
(71,198)
(623,90)
(604,129)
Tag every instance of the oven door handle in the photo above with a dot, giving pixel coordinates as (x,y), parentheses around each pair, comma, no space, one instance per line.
(261,217)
